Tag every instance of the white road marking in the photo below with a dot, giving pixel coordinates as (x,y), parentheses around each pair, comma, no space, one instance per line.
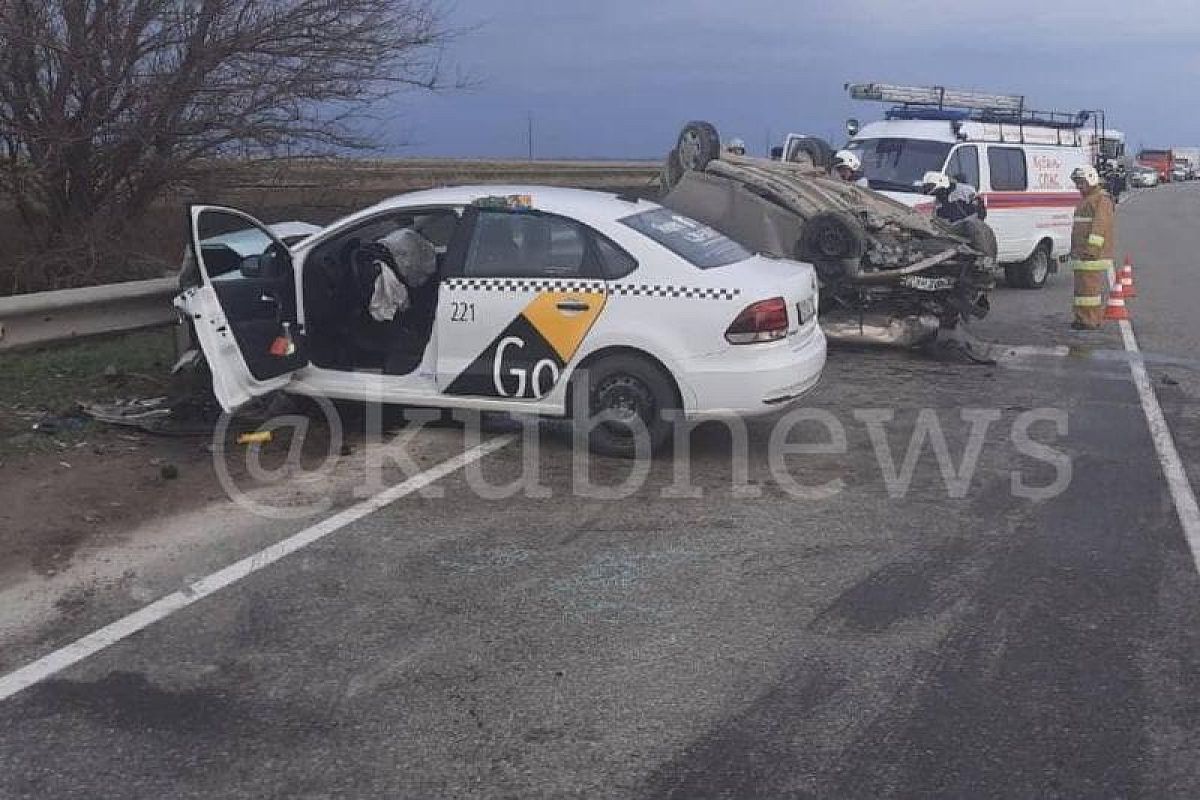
(1177,481)
(109,635)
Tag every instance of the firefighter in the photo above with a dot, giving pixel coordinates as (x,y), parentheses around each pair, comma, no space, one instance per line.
(846,166)
(1092,247)
(953,201)
(736,147)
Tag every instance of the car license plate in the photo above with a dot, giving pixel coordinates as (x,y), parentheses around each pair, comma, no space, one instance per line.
(926,284)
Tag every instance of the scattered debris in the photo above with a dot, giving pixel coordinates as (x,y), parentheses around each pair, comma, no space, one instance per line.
(169,472)
(61,423)
(1167,380)
(153,415)
(254,437)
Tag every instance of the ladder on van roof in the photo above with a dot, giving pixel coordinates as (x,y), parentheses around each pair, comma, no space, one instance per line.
(957,106)
(938,96)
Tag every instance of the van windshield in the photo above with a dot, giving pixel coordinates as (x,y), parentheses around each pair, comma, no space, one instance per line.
(898,165)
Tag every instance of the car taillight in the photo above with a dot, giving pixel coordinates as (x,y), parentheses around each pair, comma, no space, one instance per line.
(764,321)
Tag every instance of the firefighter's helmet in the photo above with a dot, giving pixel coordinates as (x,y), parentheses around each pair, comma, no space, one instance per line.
(1086,174)
(847,159)
(935,182)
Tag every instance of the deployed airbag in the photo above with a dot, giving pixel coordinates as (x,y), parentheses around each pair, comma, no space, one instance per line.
(389,297)
(415,256)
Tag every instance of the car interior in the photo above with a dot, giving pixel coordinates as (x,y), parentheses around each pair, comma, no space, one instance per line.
(339,280)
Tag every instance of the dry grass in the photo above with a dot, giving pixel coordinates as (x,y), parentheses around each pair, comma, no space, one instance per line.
(313,190)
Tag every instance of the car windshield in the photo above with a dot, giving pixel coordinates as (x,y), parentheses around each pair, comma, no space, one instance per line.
(898,165)
(697,243)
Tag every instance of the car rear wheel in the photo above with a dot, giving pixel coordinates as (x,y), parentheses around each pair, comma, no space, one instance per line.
(626,398)
(698,144)
(1030,273)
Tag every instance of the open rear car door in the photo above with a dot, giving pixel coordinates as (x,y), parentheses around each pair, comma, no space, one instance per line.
(242,304)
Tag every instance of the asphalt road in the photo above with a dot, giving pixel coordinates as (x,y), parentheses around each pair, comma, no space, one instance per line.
(950,638)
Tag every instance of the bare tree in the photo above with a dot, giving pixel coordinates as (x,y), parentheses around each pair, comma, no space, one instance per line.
(105,104)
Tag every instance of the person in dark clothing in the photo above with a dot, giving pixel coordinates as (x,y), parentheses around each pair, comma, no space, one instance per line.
(953,200)
(1114,180)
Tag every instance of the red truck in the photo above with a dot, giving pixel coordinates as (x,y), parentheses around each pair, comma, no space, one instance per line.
(1161,161)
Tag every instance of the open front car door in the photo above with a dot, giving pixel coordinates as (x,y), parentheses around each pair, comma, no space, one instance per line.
(242,304)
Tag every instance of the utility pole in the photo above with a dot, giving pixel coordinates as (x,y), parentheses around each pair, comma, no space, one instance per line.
(529,132)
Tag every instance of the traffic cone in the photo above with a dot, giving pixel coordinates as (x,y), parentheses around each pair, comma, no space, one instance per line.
(1126,280)
(1115,309)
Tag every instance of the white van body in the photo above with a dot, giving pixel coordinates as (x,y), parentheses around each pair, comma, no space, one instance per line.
(1023,174)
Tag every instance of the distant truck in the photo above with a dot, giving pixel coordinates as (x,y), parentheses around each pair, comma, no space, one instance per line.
(1188,157)
(1161,161)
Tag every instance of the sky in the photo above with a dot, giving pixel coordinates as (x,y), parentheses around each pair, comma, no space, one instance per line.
(617,78)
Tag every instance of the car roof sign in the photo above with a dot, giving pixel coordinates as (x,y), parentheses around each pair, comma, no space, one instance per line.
(511,202)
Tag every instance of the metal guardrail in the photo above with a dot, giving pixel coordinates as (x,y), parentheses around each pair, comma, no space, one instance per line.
(30,320)
(27,320)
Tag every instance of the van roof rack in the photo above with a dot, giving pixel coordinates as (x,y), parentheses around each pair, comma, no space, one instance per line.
(940,103)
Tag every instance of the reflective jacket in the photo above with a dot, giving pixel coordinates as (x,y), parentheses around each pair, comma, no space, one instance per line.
(1093,234)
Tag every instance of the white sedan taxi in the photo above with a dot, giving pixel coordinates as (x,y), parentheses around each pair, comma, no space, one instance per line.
(510,299)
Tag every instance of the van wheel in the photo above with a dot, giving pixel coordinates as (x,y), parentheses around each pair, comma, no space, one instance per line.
(1030,273)
(632,394)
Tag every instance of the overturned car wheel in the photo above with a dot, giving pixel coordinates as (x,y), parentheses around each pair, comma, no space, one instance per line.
(979,234)
(672,171)
(832,240)
(817,150)
(698,144)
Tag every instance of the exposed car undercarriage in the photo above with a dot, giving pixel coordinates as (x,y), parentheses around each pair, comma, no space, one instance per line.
(888,274)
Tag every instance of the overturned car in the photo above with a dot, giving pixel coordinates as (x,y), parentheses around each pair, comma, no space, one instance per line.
(888,274)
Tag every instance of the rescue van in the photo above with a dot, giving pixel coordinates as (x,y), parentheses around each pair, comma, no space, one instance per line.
(1019,161)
